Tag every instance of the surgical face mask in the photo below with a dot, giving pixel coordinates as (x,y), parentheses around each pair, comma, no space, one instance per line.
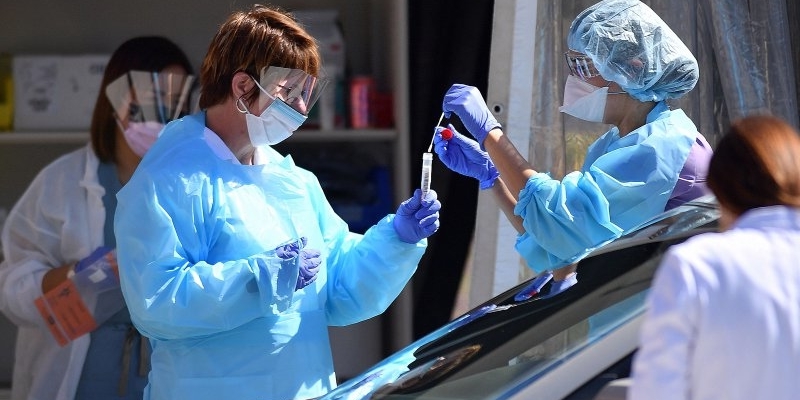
(274,125)
(584,100)
(141,135)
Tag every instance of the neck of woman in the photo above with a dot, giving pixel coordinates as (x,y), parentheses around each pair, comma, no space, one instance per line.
(635,117)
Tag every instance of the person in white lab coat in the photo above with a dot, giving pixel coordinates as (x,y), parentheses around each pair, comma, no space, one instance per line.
(722,319)
(63,216)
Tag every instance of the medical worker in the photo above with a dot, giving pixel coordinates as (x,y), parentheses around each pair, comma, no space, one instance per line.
(62,218)
(231,259)
(624,63)
(722,318)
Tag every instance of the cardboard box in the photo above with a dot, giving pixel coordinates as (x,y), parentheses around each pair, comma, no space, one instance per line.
(53,92)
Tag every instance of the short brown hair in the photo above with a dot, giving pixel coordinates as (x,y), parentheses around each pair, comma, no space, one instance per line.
(250,41)
(145,53)
(756,164)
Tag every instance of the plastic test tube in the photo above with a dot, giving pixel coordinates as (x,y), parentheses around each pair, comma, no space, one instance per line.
(427,164)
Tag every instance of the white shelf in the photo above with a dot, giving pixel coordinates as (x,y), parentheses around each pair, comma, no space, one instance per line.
(42,137)
(301,136)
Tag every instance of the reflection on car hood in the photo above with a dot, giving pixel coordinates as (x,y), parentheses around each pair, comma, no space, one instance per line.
(389,370)
(495,342)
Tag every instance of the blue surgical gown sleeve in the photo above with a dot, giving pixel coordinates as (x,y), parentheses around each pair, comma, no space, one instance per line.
(171,289)
(624,182)
(365,273)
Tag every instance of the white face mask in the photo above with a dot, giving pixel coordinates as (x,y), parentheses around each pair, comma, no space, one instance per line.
(274,125)
(584,100)
(141,135)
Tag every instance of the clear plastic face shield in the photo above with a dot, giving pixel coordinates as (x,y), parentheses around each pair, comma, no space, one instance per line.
(580,65)
(294,87)
(144,96)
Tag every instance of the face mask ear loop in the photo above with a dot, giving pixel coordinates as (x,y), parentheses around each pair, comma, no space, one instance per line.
(273,98)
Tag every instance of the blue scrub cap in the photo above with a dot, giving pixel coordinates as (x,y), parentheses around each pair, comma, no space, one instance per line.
(632,46)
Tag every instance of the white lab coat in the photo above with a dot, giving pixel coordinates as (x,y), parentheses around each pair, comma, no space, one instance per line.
(723,319)
(58,220)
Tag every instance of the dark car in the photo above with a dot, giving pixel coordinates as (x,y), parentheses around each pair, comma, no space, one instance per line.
(520,345)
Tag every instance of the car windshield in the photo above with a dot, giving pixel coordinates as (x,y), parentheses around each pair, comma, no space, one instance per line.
(506,343)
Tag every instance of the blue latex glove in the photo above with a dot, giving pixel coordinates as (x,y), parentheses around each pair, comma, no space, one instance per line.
(463,155)
(416,218)
(290,250)
(309,260)
(467,102)
(97,254)
(559,286)
(309,266)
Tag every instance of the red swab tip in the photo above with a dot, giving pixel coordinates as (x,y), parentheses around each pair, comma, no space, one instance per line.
(447,134)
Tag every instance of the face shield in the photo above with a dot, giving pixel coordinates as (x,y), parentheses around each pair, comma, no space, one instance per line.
(580,65)
(144,96)
(294,87)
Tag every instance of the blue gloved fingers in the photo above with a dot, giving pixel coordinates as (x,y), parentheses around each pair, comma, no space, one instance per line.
(429,209)
(408,221)
(437,134)
(97,254)
(454,97)
(430,220)
(456,151)
(429,199)
(290,250)
(310,253)
(429,228)
(410,206)
(464,156)
(428,216)
(468,103)
(309,267)
(559,286)
(285,252)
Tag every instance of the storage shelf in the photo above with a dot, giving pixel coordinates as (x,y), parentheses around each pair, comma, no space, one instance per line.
(303,135)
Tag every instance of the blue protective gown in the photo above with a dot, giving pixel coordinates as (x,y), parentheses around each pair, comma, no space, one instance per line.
(624,182)
(194,238)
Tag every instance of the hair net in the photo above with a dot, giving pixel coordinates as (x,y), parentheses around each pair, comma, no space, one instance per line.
(632,46)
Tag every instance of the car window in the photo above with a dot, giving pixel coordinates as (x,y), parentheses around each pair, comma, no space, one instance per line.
(506,343)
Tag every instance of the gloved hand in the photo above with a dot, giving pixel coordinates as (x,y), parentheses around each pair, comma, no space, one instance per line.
(309,260)
(467,102)
(290,250)
(97,254)
(309,267)
(90,296)
(417,218)
(463,155)
(559,286)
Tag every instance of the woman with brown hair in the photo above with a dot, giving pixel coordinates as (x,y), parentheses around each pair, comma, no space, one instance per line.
(723,319)
(231,259)
(63,219)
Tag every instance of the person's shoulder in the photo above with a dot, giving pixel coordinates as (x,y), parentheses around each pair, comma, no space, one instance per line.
(677,118)
(68,164)
(712,247)
(178,147)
